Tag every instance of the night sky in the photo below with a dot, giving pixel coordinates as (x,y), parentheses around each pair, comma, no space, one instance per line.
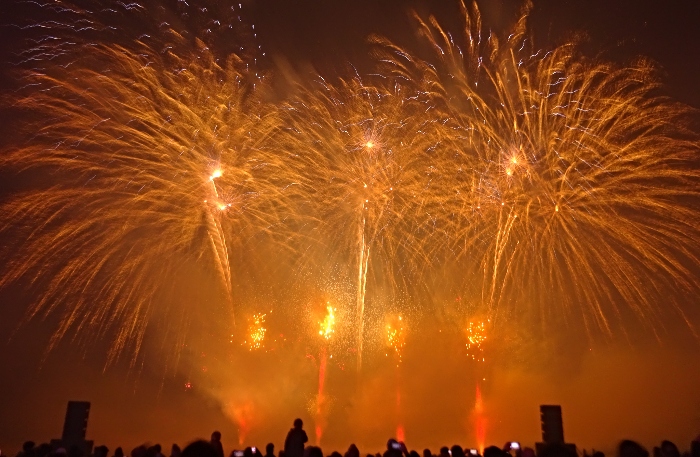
(634,385)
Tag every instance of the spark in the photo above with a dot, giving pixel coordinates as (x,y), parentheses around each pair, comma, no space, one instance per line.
(256,333)
(476,336)
(328,323)
(396,336)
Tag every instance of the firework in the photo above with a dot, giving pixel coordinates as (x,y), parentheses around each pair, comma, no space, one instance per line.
(326,330)
(546,185)
(256,333)
(480,420)
(321,402)
(574,187)
(476,336)
(396,336)
(148,169)
(363,161)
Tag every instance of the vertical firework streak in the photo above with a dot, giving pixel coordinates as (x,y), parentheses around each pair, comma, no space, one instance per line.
(326,331)
(218,238)
(363,263)
(396,340)
(476,338)
(320,397)
(140,159)
(479,419)
(574,184)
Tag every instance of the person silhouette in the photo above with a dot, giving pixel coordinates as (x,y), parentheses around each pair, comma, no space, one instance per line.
(393,449)
(200,448)
(216,443)
(296,438)
(668,449)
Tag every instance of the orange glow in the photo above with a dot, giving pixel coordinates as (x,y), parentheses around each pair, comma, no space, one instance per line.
(320,398)
(400,433)
(243,414)
(480,421)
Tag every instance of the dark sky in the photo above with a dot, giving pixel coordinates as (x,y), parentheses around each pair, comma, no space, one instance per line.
(331,33)
(614,389)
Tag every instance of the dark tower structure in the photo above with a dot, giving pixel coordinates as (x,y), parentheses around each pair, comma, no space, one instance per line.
(552,430)
(75,428)
(552,425)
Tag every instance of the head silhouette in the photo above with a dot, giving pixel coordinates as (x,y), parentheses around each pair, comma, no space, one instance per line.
(629,448)
(199,449)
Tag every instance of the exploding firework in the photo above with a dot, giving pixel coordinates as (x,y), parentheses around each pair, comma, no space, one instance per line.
(363,161)
(144,170)
(574,186)
(544,184)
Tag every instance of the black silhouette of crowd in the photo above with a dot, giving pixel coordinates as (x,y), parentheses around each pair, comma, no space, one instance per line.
(295,446)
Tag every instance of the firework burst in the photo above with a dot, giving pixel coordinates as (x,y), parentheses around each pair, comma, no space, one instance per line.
(363,157)
(574,185)
(537,183)
(143,162)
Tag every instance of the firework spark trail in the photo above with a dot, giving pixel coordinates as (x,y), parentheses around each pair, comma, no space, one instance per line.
(361,284)
(476,335)
(137,160)
(326,331)
(479,419)
(363,160)
(218,237)
(400,430)
(396,340)
(575,186)
(320,398)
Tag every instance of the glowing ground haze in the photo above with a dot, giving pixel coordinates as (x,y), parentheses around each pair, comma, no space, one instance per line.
(474,216)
